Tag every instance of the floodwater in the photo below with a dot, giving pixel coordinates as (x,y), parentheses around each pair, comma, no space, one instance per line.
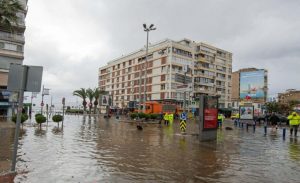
(99,150)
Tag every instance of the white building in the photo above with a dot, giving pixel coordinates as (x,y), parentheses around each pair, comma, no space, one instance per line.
(209,72)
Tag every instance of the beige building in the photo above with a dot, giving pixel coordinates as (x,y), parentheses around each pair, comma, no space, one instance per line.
(174,69)
(11,51)
(289,95)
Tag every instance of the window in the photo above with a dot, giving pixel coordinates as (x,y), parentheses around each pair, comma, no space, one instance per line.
(162,77)
(162,86)
(163,60)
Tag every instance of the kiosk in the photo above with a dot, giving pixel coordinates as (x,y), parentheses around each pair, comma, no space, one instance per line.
(208,117)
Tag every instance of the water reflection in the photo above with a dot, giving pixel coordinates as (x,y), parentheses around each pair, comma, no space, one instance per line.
(94,149)
(39,132)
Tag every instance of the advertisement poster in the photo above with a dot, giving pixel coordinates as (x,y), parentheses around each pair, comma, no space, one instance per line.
(252,84)
(105,100)
(210,113)
(210,118)
(246,112)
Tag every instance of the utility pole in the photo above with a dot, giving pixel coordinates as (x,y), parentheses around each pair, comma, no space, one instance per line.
(42,103)
(146,29)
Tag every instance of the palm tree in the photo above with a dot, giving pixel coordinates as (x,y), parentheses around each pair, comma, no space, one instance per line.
(96,95)
(8,13)
(90,95)
(82,93)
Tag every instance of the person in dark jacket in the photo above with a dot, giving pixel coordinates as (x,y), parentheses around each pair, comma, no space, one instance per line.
(274,121)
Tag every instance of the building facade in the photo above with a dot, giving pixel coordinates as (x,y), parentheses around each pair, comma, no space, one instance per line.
(289,95)
(176,70)
(256,90)
(11,51)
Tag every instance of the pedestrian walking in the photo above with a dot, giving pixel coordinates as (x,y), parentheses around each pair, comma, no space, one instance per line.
(274,122)
(294,121)
(220,120)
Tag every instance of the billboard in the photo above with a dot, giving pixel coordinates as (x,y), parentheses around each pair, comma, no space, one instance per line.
(106,100)
(246,112)
(252,84)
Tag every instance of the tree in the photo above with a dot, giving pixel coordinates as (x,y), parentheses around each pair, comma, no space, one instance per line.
(39,118)
(57,118)
(90,95)
(82,93)
(96,95)
(8,13)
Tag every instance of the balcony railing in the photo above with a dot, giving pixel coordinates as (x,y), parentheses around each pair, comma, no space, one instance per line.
(12,37)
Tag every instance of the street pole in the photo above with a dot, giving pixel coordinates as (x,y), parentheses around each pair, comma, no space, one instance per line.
(42,104)
(30,112)
(184,95)
(51,106)
(145,80)
(18,122)
(140,89)
(146,29)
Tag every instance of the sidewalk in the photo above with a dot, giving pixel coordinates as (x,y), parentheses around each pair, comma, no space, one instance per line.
(7,178)
(4,163)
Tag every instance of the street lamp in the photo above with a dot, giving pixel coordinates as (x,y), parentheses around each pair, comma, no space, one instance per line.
(146,29)
(45,91)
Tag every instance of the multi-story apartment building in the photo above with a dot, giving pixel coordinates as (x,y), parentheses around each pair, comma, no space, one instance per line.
(11,51)
(174,69)
(289,95)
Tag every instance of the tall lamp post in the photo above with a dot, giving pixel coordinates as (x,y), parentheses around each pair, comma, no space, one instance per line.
(146,29)
(45,91)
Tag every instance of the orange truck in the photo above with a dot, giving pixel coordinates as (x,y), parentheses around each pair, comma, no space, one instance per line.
(155,107)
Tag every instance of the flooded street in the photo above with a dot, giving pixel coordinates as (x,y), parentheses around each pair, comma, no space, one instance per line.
(99,150)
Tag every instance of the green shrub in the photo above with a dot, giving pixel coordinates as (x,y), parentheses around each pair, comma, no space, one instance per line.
(141,115)
(133,115)
(147,116)
(74,111)
(57,118)
(38,114)
(40,119)
(24,117)
(153,116)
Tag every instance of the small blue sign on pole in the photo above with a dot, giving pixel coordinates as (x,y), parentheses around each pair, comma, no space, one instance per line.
(183,116)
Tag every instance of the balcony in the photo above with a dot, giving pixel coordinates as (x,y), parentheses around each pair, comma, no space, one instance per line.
(12,37)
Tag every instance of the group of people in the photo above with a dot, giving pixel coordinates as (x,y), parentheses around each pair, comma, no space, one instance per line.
(168,118)
(294,121)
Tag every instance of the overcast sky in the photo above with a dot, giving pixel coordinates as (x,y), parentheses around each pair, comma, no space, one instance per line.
(71,39)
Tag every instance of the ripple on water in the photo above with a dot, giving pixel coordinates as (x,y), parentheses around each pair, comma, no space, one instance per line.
(109,151)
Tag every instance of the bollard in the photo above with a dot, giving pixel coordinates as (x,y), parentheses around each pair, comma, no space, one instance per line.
(265,130)
(247,126)
(242,125)
(283,133)
(254,128)
(235,122)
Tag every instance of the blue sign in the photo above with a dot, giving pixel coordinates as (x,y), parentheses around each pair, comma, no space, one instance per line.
(183,116)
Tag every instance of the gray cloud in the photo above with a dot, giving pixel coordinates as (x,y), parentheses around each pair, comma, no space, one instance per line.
(73,38)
